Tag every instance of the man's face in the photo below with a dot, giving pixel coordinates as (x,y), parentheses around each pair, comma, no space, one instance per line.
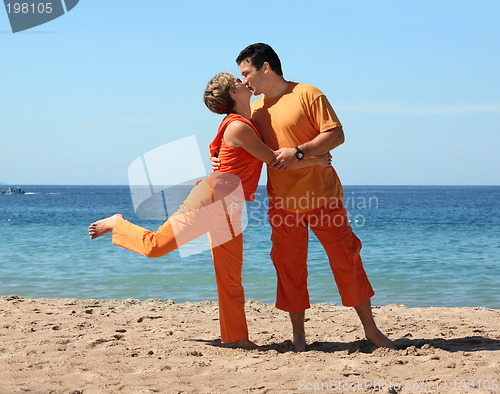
(252,78)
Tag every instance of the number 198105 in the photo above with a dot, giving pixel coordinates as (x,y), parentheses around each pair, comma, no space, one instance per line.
(25,8)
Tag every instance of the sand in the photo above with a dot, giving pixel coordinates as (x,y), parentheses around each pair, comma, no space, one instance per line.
(92,346)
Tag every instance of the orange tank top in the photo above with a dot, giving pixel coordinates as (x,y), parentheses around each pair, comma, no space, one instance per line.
(237,161)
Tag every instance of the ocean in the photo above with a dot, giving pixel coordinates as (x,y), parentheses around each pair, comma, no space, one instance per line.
(422,246)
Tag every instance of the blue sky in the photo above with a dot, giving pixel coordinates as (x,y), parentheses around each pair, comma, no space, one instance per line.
(415,84)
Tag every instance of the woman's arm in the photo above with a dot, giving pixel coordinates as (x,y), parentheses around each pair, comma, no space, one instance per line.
(323,142)
(324,160)
(239,134)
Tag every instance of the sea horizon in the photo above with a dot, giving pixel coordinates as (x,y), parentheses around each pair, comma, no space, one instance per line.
(423,245)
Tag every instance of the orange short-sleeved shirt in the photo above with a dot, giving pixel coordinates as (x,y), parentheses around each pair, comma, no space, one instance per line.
(294,118)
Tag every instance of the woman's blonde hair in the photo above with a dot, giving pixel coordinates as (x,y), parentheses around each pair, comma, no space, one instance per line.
(217,97)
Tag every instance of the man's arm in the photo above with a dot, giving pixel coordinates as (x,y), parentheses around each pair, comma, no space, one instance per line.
(324,160)
(321,144)
(239,134)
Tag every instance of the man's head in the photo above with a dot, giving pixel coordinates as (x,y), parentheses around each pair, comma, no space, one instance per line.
(258,54)
(217,95)
(257,63)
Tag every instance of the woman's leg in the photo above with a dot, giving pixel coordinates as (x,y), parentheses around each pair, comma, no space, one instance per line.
(104,226)
(187,223)
(183,226)
(228,262)
(203,210)
(148,243)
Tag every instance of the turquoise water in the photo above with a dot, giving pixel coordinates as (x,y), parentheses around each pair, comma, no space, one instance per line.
(422,246)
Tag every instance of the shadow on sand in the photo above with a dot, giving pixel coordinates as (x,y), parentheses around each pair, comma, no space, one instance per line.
(466,344)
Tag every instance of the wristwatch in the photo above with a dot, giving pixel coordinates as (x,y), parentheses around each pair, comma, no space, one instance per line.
(299,154)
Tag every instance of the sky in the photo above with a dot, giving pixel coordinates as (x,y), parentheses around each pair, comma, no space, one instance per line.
(416,85)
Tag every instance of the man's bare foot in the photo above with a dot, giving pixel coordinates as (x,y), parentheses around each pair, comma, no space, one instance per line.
(379,339)
(298,330)
(247,344)
(104,226)
(299,342)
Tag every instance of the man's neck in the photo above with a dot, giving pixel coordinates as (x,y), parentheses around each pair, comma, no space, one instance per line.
(276,88)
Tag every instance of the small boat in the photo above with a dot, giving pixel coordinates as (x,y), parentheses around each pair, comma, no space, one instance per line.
(16,190)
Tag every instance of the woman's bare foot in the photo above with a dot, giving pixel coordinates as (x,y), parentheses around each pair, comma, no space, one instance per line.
(104,226)
(247,344)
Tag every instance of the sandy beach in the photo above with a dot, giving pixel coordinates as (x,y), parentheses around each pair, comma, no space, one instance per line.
(92,346)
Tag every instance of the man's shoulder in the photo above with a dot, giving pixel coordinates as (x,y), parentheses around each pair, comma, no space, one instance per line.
(307,90)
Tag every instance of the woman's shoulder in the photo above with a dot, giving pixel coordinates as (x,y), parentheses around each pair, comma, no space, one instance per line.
(238,127)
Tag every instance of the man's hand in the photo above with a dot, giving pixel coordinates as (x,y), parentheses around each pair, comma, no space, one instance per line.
(215,161)
(285,159)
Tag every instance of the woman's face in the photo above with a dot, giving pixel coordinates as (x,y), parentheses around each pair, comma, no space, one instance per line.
(240,88)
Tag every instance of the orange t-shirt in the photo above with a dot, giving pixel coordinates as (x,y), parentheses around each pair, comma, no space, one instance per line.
(294,118)
(237,161)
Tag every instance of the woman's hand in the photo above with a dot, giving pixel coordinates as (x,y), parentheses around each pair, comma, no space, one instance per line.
(325,160)
(215,162)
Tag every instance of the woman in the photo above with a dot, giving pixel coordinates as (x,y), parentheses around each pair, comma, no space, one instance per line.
(214,205)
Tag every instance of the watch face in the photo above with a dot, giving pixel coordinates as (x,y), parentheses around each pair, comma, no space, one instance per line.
(300,155)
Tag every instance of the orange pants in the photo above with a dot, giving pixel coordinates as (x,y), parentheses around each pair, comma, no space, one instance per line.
(289,254)
(227,256)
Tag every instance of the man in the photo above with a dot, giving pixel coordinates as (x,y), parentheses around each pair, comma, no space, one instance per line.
(298,120)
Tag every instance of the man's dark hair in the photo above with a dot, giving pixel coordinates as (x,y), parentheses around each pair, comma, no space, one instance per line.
(259,53)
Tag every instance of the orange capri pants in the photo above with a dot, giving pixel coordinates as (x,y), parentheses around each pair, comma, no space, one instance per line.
(227,251)
(289,255)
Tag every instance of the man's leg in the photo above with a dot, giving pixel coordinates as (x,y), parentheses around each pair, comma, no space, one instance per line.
(299,333)
(331,226)
(289,256)
(364,311)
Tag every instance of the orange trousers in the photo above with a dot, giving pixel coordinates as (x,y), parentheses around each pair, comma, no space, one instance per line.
(331,226)
(227,255)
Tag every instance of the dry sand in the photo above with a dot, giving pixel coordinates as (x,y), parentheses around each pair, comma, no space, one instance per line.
(91,346)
